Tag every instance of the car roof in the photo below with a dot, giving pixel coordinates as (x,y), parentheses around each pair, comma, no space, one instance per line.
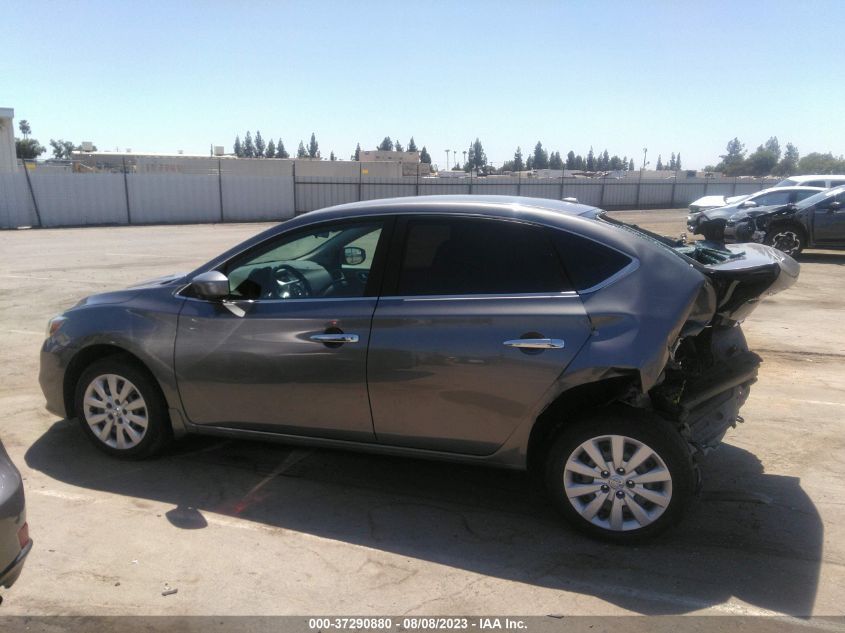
(505,206)
(816,177)
(789,188)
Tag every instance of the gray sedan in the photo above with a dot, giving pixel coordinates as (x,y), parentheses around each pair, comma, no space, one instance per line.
(514,332)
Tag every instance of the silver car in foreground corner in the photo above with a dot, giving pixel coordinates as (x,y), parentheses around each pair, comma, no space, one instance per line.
(516,332)
(14,531)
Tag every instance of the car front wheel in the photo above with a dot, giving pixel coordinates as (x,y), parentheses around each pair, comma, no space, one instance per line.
(621,478)
(787,239)
(121,408)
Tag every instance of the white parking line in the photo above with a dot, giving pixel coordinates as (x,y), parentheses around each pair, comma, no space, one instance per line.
(828,402)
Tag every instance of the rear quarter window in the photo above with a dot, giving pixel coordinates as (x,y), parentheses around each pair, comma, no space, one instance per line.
(587,263)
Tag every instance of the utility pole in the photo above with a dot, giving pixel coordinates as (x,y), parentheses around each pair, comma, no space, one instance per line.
(465,157)
(447,159)
(645,153)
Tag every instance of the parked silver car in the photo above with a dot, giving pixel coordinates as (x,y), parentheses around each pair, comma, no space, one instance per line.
(14,530)
(517,332)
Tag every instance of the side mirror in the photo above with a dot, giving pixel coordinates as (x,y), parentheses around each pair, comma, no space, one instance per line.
(748,204)
(834,206)
(354,255)
(211,285)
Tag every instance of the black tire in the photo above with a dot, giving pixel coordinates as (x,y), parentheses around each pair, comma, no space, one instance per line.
(787,238)
(158,432)
(650,430)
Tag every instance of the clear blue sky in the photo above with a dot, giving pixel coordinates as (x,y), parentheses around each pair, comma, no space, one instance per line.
(670,76)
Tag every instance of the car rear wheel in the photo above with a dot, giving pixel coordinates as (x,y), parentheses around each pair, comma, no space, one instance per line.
(121,409)
(787,239)
(621,478)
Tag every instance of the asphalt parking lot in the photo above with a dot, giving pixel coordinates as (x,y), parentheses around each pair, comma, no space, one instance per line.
(246,528)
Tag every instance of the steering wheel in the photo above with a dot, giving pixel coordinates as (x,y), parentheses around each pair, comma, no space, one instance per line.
(290,282)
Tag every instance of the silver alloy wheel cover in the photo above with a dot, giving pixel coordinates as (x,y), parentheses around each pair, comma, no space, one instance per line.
(786,241)
(601,468)
(115,411)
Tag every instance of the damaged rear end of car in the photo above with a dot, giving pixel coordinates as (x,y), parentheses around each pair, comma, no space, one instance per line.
(699,374)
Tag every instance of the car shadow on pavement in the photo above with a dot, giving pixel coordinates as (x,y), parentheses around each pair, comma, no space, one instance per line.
(753,536)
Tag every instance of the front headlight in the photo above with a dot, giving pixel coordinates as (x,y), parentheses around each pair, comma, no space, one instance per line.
(55,324)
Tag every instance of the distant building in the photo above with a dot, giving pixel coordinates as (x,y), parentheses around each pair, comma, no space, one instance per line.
(8,156)
(377,156)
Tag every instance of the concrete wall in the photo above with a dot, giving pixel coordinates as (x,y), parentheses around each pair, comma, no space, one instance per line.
(8,160)
(51,198)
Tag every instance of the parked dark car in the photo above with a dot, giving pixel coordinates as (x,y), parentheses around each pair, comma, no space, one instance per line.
(14,531)
(516,332)
(815,222)
(711,222)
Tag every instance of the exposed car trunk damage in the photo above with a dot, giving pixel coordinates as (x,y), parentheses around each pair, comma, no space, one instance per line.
(708,375)
(705,370)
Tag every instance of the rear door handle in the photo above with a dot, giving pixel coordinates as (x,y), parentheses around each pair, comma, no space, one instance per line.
(334,338)
(536,343)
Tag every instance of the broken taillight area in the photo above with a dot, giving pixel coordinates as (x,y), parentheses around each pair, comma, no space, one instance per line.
(706,383)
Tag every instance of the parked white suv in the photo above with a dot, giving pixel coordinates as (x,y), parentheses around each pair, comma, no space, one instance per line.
(816,180)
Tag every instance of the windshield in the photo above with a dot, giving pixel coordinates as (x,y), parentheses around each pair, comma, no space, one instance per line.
(809,202)
(786,183)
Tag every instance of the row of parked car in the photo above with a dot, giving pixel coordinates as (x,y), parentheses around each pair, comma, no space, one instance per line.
(797,213)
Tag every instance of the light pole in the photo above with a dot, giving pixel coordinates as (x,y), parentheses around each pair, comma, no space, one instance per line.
(447,159)
(455,154)
(465,157)
(645,153)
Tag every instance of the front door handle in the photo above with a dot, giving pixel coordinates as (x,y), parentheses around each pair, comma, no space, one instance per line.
(536,343)
(335,338)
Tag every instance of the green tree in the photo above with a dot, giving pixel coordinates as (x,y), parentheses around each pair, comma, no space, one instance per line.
(398,147)
(615,163)
(281,152)
(818,163)
(271,149)
(260,145)
(412,147)
(301,152)
(673,165)
(659,165)
(386,145)
(357,154)
(529,162)
(61,149)
(424,156)
(541,157)
(631,165)
(625,163)
(773,146)
(678,161)
(238,148)
(604,161)
(788,165)
(518,164)
(28,148)
(555,161)
(570,160)
(313,147)
(249,146)
(476,158)
(332,156)
(761,162)
(591,160)
(733,160)
(25,129)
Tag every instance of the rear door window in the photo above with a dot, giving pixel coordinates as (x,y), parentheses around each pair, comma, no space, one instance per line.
(474,256)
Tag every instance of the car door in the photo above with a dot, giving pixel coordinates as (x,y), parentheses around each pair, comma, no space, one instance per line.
(476,323)
(829,221)
(287,352)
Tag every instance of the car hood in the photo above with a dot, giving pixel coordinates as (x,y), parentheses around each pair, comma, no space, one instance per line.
(121,296)
(739,215)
